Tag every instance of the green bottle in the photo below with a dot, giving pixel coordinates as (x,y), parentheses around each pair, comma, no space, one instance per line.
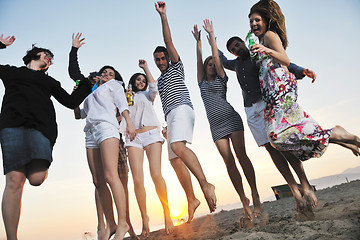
(250,37)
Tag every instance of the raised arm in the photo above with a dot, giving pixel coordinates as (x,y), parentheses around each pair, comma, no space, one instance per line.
(273,48)
(228,64)
(209,28)
(74,69)
(199,63)
(5,42)
(152,83)
(143,65)
(161,9)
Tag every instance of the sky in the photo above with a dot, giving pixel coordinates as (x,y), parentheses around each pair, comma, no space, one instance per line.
(322,36)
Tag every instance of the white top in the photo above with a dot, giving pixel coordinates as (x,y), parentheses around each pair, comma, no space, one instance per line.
(102,104)
(142,112)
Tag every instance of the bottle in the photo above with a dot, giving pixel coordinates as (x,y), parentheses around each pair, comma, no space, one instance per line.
(251,38)
(130,95)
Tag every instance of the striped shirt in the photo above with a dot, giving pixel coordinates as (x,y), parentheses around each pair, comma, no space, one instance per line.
(172,89)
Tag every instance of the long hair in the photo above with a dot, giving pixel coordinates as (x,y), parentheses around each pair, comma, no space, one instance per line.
(271,13)
(132,82)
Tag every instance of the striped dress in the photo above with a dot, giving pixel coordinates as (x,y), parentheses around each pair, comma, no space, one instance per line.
(223,118)
(172,89)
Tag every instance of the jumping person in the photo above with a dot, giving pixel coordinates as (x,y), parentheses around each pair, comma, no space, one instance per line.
(225,123)
(149,140)
(28,125)
(289,128)
(102,142)
(179,116)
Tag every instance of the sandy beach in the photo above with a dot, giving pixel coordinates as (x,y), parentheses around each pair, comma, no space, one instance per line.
(337,216)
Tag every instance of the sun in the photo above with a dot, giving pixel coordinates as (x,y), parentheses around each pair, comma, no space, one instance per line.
(178,215)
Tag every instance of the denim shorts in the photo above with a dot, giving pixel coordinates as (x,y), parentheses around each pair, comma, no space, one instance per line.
(100,132)
(22,145)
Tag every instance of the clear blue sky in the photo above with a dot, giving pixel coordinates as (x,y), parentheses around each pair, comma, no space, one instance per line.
(322,36)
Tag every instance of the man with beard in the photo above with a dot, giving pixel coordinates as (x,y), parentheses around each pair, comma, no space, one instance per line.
(248,76)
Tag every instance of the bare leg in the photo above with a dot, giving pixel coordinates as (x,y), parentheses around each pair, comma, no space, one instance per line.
(193,164)
(153,152)
(101,227)
(11,202)
(109,150)
(184,177)
(136,159)
(223,145)
(238,142)
(308,192)
(124,181)
(36,172)
(97,172)
(340,135)
(282,165)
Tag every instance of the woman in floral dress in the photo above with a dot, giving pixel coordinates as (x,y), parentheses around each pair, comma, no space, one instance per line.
(290,129)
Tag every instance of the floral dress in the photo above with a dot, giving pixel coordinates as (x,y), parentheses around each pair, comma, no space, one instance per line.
(288,126)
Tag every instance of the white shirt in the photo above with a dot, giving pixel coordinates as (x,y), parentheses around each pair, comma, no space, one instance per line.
(142,112)
(102,104)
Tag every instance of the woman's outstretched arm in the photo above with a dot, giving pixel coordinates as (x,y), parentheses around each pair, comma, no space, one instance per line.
(199,63)
(209,28)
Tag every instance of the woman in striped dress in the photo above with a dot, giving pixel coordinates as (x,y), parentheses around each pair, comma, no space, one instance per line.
(225,123)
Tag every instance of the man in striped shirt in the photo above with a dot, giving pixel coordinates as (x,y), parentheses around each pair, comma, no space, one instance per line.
(179,115)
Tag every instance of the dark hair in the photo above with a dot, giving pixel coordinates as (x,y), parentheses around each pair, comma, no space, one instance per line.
(132,82)
(163,50)
(32,54)
(117,74)
(273,17)
(231,40)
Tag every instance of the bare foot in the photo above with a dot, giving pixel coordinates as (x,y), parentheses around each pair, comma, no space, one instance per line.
(246,206)
(109,231)
(209,193)
(145,228)
(310,198)
(121,230)
(257,209)
(169,226)
(132,234)
(192,206)
(340,135)
(101,233)
(299,201)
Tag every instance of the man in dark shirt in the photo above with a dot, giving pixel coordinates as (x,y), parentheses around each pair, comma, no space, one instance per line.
(248,76)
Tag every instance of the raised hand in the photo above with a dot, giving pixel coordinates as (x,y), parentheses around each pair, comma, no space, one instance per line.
(196,33)
(8,40)
(160,7)
(142,63)
(311,74)
(208,26)
(77,41)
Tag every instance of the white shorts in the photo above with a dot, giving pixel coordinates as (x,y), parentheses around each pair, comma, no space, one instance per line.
(144,139)
(180,126)
(100,132)
(256,122)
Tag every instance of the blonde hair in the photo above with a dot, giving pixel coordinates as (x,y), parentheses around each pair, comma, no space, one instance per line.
(271,13)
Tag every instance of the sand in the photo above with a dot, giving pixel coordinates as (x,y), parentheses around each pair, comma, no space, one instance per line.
(337,216)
